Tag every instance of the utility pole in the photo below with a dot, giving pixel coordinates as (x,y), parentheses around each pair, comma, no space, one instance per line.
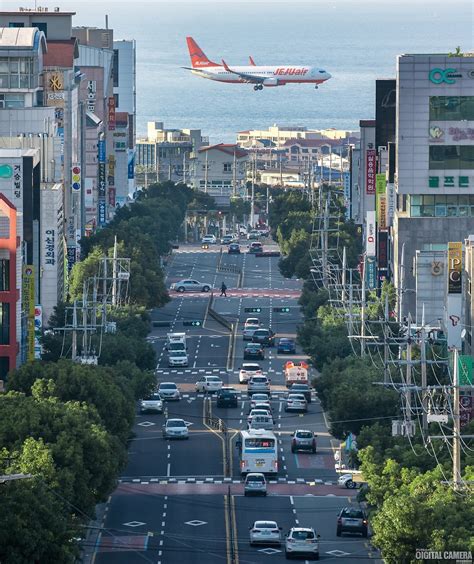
(424,382)
(401,283)
(74,331)
(234,176)
(408,370)
(386,351)
(206,172)
(456,424)
(114,274)
(184,168)
(252,198)
(362,310)
(343,277)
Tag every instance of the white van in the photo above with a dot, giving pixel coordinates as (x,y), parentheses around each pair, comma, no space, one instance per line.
(176,341)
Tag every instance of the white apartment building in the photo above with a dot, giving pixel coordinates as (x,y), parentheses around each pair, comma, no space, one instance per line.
(281,134)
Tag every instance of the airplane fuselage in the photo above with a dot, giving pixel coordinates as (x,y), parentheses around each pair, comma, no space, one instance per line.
(271,75)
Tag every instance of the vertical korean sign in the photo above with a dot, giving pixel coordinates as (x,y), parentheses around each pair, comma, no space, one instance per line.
(453,318)
(102,181)
(381,201)
(111,112)
(370,171)
(28,300)
(454,268)
(346,180)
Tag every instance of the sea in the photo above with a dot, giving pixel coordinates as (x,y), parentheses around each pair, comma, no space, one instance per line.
(356,41)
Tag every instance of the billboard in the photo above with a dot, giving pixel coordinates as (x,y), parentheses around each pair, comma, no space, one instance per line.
(370,233)
(385,108)
(382,250)
(131,164)
(371,273)
(346,181)
(28,302)
(38,330)
(381,200)
(370,168)
(454,268)
(111,112)
(101,212)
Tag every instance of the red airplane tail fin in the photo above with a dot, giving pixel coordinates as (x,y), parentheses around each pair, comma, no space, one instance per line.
(198,57)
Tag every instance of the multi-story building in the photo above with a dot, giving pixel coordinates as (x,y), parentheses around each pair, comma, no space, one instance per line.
(219,170)
(165,154)
(434,179)
(280,134)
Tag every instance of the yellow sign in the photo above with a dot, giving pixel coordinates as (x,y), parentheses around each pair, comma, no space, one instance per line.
(28,300)
(381,200)
(454,268)
(56,82)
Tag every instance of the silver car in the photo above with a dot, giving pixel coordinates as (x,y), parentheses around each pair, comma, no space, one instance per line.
(302,439)
(258,398)
(191,286)
(175,429)
(255,484)
(296,402)
(258,384)
(302,541)
(265,532)
(169,391)
(152,403)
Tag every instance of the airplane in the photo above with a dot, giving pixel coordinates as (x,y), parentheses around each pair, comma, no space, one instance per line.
(259,76)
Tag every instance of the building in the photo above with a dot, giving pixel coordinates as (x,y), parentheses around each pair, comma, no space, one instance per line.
(165,154)
(280,134)
(434,179)
(219,170)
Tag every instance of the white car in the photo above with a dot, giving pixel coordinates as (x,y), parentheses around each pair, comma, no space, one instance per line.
(169,391)
(208,384)
(251,321)
(256,412)
(211,239)
(265,532)
(152,403)
(296,402)
(347,481)
(302,541)
(177,358)
(191,286)
(175,429)
(247,370)
(259,398)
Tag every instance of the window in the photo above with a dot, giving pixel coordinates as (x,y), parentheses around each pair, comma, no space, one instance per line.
(4,323)
(16,24)
(42,26)
(227,167)
(115,68)
(4,275)
(450,157)
(451,108)
(442,206)
(116,98)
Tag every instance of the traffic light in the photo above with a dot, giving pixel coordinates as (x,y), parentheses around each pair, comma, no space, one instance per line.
(161,323)
(193,323)
(281,310)
(253,309)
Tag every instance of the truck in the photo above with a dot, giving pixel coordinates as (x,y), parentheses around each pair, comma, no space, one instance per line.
(176,342)
(295,372)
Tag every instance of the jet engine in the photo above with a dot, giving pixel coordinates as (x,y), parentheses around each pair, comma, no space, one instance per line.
(270,82)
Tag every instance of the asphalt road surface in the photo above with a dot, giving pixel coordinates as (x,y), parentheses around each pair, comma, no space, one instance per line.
(182,501)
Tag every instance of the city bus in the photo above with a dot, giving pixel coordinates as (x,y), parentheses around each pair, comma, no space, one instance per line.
(258,451)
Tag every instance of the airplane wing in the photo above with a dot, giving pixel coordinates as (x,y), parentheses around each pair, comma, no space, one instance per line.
(249,78)
(193,69)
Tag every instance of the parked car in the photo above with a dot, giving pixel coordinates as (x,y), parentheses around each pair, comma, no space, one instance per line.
(352,520)
(302,439)
(296,402)
(286,346)
(234,249)
(255,484)
(265,532)
(151,403)
(169,391)
(255,248)
(191,286)
(208,384)
(227,397)
(247,370)
(258,384)
(264,336)
(347,481)
(254,351)
(209,239)
(257,398)
(304,389)
(226,239)
(175,429)
(302,541)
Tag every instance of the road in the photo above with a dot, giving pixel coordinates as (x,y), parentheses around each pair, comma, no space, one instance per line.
(182,501)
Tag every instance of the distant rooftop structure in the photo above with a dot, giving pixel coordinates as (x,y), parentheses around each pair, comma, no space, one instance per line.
(20,37)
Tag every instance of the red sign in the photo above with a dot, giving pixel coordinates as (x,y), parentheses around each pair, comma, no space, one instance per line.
(111,112)
(111,196)
(370,171)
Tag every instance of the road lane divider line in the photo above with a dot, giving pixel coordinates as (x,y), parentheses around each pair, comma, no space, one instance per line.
(232,342)
(234,530)
(227,530)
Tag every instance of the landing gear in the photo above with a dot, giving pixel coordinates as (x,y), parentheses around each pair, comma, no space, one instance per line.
(316,87)
(258,87)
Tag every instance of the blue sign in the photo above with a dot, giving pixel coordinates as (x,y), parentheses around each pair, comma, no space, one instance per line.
(371,273)
(101,151)
(131,165)
(346,179)
(101,214)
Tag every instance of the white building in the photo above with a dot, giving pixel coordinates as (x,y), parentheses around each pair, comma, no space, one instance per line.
(280,134)
(434,179)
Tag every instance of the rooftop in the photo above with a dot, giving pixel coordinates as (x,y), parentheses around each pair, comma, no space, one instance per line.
(22,38)
(38,11)
(229,148)
(61,53)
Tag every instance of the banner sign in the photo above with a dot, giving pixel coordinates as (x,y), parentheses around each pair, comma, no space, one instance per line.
(111,112)
(381,200)
(28,301)
(112,196)
(101,150)
(38,330)
(71,257)
(346,179)
(371,273)
(454,268)
(102,181)
(382,251)
(101,209)
(131,164)
(370,171)
(370,233)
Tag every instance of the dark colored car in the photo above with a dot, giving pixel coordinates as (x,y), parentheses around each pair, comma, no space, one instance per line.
(254,351)
(286,346)
(265,337)
(304,389)
(352,520)
(234,248)
(255,248)
(227,397)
